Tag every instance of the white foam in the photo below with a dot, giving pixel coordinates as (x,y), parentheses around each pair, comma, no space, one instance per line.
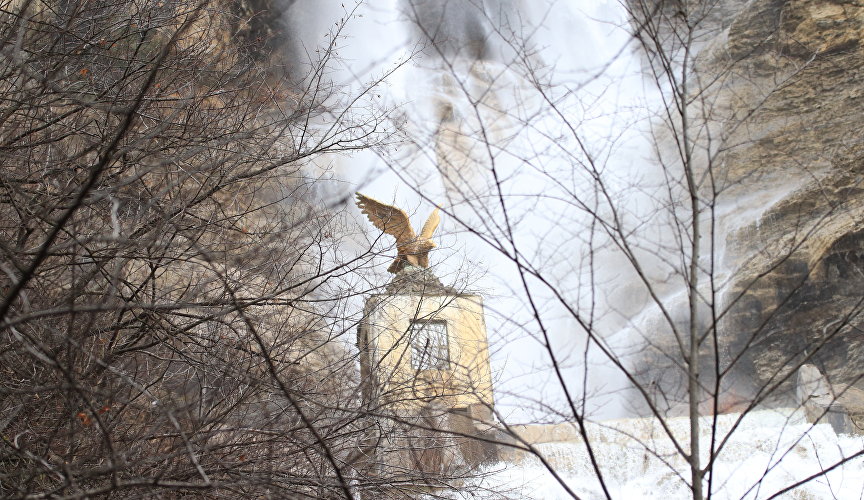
(769,451)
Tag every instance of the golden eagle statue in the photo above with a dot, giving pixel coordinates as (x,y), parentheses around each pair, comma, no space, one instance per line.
(412,249)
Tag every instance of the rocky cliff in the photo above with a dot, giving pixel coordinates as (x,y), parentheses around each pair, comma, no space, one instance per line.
(796,152)
(780,86)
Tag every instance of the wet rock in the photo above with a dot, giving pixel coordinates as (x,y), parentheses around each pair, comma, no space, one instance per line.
(841,406)
(786,79)
(798,268)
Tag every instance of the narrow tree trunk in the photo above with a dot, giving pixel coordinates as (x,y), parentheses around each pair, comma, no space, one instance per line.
(692,282)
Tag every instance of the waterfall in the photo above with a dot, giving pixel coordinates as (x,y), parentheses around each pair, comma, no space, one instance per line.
(486,110)
(469,106)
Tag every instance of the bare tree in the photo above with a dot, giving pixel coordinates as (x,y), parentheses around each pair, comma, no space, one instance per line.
(174,305)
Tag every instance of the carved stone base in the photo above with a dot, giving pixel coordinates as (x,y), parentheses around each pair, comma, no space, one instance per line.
(418,280)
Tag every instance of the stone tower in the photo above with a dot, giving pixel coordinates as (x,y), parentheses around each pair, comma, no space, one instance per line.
(424,354)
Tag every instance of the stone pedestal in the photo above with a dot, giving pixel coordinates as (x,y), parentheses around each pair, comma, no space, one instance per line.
(424,359)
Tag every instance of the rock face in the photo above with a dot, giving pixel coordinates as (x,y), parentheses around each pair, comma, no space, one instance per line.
(784,80)
(792,125)
(840,406)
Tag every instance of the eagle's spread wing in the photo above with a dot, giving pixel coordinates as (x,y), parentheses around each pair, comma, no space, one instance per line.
(387,218)
(431,225)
